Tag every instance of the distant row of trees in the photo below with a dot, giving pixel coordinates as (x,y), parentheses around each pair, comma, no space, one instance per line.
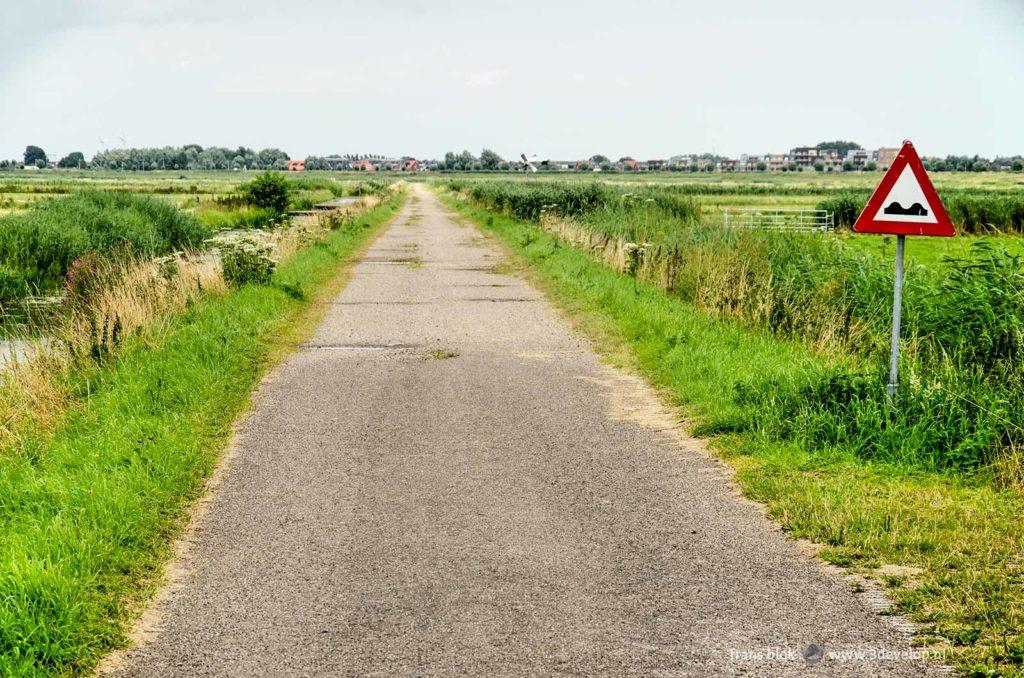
(315,162)
(36,157)
(466,161)
(963,163)
(840,147)
(195,157)
(190,157)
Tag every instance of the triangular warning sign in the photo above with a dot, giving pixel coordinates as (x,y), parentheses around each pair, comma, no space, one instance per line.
(905,202)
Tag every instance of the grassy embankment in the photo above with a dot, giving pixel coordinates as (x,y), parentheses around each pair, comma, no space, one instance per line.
(92,495)
(864,481)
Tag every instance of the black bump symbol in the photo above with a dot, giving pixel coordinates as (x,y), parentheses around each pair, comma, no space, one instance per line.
(915,210)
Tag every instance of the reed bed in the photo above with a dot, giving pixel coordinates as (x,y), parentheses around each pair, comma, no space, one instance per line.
(38,246)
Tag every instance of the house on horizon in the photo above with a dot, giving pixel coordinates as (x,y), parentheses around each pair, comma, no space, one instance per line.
(885,156)
(750,161)
(776,162)
(858,158)
(808,156)
(680,162)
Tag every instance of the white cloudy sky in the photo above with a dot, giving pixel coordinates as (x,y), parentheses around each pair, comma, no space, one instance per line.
(649,78)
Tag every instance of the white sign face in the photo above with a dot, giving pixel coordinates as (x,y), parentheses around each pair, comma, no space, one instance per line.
(906,201)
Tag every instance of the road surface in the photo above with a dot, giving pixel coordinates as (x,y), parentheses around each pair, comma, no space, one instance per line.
(446,480)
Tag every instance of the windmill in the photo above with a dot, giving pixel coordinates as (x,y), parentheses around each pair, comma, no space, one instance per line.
(528,161)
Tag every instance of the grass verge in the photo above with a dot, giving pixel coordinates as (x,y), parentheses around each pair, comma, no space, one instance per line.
(948,547)
(88,512)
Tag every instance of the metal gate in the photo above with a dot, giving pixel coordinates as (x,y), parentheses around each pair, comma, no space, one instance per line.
(779,219)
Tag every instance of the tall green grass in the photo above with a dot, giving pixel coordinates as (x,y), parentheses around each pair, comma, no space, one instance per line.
(339,188)
(529,200)
(38,246)
(219,218)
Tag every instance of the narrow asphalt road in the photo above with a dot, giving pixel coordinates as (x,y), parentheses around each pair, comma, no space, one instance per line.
(446,480)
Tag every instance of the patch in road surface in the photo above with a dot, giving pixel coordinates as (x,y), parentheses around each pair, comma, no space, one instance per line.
(359,347)
(522,509)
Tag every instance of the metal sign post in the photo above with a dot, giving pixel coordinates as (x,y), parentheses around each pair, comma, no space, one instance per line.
(897,316)
(905,203)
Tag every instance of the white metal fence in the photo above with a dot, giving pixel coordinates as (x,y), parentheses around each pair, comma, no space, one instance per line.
(779,219)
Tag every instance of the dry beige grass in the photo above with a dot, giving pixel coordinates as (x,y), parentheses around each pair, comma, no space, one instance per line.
(732,284)
(126,298)
(32,391)
(136,296)
(305,229)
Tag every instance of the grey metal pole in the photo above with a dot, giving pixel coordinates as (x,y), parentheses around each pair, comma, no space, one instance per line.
(897,315)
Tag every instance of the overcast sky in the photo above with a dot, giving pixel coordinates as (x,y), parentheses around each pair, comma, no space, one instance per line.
(648,78)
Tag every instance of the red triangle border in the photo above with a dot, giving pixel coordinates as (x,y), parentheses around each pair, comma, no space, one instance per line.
(866,223)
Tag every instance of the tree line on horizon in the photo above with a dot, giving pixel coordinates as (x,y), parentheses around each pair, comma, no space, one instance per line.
(195,157)
(187,157)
